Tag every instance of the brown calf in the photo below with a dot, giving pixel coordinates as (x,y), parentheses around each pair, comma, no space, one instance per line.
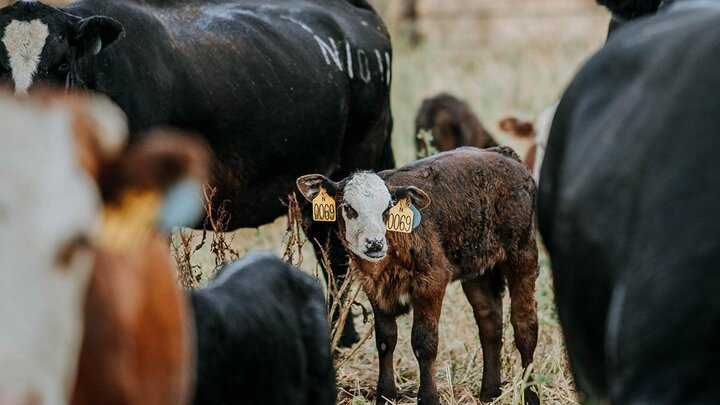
(477,230)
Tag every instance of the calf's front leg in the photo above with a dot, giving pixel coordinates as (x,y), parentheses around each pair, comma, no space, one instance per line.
(385,340)
(426,317)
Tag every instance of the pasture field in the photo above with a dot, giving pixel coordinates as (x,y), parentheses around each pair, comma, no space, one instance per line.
(503,57)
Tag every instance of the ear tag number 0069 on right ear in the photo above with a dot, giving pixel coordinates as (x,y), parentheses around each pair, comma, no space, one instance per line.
(401,217)
(323,207)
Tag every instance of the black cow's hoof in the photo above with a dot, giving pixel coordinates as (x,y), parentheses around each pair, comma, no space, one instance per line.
(531,398)
(349,336)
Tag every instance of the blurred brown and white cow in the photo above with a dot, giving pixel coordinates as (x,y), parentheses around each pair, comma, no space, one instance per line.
(73,286)
(46,263)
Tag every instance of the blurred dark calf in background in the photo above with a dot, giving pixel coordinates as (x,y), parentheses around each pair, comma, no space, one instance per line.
(263,336)
(445,122)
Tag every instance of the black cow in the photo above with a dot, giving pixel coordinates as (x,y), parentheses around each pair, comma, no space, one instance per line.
(627,10)
(279,88)
(628,209)
(262,336)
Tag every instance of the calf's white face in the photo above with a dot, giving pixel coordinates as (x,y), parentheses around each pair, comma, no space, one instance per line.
(366,202)
(365,207)
(47,208)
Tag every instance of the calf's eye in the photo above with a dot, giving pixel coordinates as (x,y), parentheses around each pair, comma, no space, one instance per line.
(386,213)
(350,213)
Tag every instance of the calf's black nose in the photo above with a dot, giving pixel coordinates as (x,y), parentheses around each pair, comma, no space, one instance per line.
(374,245)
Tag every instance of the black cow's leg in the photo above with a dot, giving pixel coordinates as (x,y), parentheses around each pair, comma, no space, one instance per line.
(324,237)
(385,340)
(485,297)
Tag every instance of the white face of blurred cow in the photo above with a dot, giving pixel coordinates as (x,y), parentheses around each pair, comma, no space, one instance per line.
(47,209)
(366,203)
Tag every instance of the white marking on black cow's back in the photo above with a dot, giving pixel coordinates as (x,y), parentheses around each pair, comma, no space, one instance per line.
(331,51)
(24,42)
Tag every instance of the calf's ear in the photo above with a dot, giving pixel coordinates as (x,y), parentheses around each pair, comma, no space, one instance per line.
(416,196)
(310,185)
(94,34)
(517,127)
(171,166)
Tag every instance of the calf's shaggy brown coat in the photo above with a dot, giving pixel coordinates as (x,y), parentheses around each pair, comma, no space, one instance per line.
(478,230)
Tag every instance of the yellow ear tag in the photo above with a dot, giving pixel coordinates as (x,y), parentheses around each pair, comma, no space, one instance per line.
(323,207)
(401,217)
(129,223)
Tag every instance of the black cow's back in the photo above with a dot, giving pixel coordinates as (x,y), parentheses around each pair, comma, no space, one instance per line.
(278,88)
(262,336)
(628,208)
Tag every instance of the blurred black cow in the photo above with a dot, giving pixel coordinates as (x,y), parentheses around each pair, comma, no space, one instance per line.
(627,10)
(262,336)
(279,89)
(629,210)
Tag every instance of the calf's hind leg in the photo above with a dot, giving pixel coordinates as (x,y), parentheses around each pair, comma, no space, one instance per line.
(521,273)
(485,297)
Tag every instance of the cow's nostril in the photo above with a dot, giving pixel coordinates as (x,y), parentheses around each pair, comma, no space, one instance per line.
(374,245)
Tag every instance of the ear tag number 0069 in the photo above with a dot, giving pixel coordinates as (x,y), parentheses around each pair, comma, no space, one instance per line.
(401,217)
(323,207)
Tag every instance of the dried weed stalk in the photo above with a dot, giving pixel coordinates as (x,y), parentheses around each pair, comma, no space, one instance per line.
(189,275)
(340,294)
(294,239)
(216,220)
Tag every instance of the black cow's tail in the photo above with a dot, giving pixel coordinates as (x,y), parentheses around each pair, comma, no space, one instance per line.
(388,156)
(506,151)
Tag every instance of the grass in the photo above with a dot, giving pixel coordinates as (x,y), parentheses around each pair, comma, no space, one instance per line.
(504,62)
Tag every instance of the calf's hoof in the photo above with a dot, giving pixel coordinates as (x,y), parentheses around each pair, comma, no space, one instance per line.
(531,397)
(428,399)
(489,394)
(386,396)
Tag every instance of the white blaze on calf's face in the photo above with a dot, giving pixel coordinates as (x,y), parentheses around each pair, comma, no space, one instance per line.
(366,195)
(46,203)
(24,42)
